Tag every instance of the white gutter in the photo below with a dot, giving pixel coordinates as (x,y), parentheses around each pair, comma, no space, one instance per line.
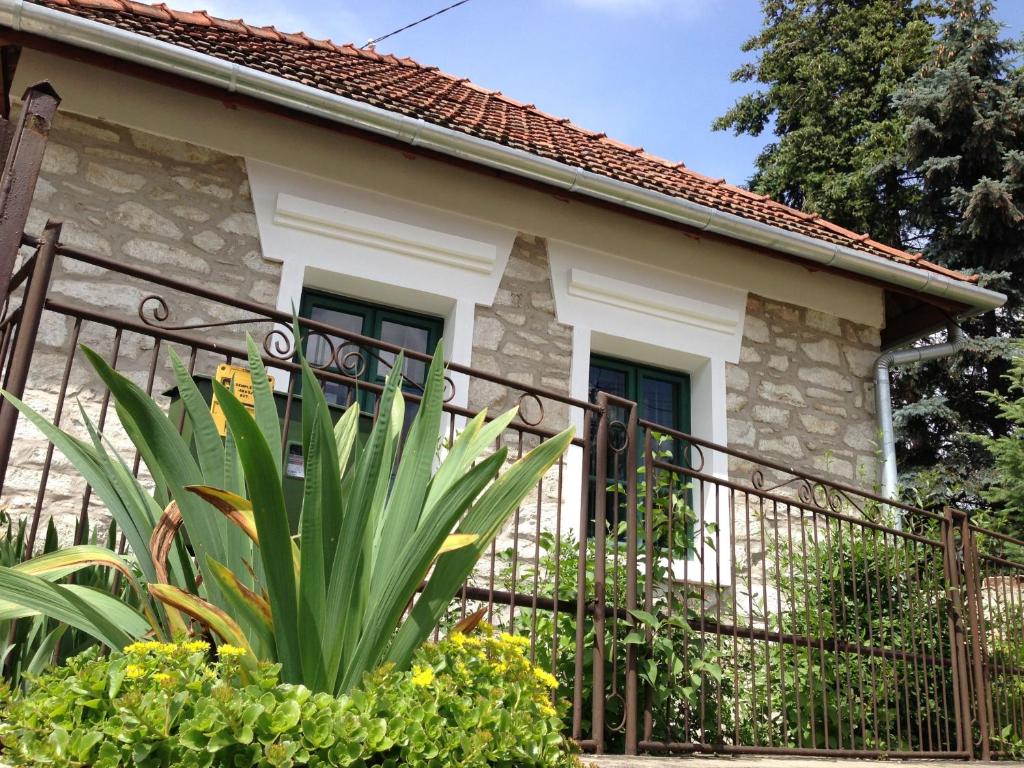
(73,30)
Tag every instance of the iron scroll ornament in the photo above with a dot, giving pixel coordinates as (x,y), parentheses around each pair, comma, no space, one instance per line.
(347,358)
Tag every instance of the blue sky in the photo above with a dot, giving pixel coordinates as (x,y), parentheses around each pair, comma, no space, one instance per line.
(653,73)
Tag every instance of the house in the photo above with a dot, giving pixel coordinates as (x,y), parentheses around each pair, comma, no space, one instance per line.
(395,200)
(210,176)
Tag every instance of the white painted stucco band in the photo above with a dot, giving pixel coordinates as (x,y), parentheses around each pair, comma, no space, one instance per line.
(370,246)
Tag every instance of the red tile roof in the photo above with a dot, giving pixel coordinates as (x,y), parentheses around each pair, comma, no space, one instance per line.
(403,86)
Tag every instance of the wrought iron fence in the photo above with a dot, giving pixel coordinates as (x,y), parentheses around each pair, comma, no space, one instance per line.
(692,598)
(689,597)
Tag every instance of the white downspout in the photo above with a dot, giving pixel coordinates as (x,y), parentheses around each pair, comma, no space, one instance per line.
(955,342)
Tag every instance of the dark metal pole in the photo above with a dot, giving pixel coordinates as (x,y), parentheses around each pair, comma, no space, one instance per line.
(24,345)
(957,636)
(632,651)
(9,55)
(600,525)
(975,621)
(21,170)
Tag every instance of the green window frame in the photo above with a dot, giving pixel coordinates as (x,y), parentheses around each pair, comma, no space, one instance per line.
(378,321)
(639,382)
(635,376)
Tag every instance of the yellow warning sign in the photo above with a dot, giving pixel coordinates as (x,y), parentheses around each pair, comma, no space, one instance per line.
(239,381)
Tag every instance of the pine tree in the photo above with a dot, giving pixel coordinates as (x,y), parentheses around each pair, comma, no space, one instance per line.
(829,70)
(964,145)
(888,124)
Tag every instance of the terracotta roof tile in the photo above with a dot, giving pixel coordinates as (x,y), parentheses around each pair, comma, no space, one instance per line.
(404,86)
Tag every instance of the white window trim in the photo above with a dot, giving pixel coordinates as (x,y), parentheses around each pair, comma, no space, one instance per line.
(668,320)
(372,247)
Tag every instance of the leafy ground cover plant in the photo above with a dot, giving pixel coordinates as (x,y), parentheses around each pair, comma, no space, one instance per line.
(376,523)
(468,701)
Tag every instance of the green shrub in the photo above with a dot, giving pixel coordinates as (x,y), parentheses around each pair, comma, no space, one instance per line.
(713,688)
(684,668)
(468,701)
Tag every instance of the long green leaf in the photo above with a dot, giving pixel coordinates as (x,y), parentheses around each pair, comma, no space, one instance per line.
(249,609)
(485,519)
(89,464)
(475,438)
(70,559)
(208,442)
(113,609)
(312,594)
(271,517)
(314,409)
(402,513)
(62,604)
(57,564)
(43,656)
(265,405)
(345,574)
(396,585)
(346,431)
(375,511)
(169,460)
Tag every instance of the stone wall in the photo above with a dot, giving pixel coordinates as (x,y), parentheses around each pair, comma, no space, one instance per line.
(177,208)
(803,391)
(520,339)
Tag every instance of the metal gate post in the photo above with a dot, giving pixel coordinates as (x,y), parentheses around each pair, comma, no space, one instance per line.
(21,170)
(976,622)
(632,535)
(957,636)
(600,543)
(25,341)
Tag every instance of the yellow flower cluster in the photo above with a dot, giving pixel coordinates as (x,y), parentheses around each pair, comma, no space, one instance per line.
(156,648)
(231,651)
(515,641)
(545,677)
(422,676)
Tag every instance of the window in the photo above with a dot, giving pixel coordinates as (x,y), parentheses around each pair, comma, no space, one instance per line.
(662,397)
(410,330)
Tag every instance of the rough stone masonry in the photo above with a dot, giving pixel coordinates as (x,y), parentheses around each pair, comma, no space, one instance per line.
(137,198)
(803,392)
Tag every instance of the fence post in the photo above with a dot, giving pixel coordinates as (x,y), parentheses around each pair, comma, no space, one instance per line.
(24,343)
(21,170)
(632,651)
(976,622)
(600,524)
(581,580)
(957,636)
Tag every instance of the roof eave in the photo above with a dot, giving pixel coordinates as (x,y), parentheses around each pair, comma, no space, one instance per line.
(66,28)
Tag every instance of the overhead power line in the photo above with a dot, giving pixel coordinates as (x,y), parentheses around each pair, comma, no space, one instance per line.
(374,41)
